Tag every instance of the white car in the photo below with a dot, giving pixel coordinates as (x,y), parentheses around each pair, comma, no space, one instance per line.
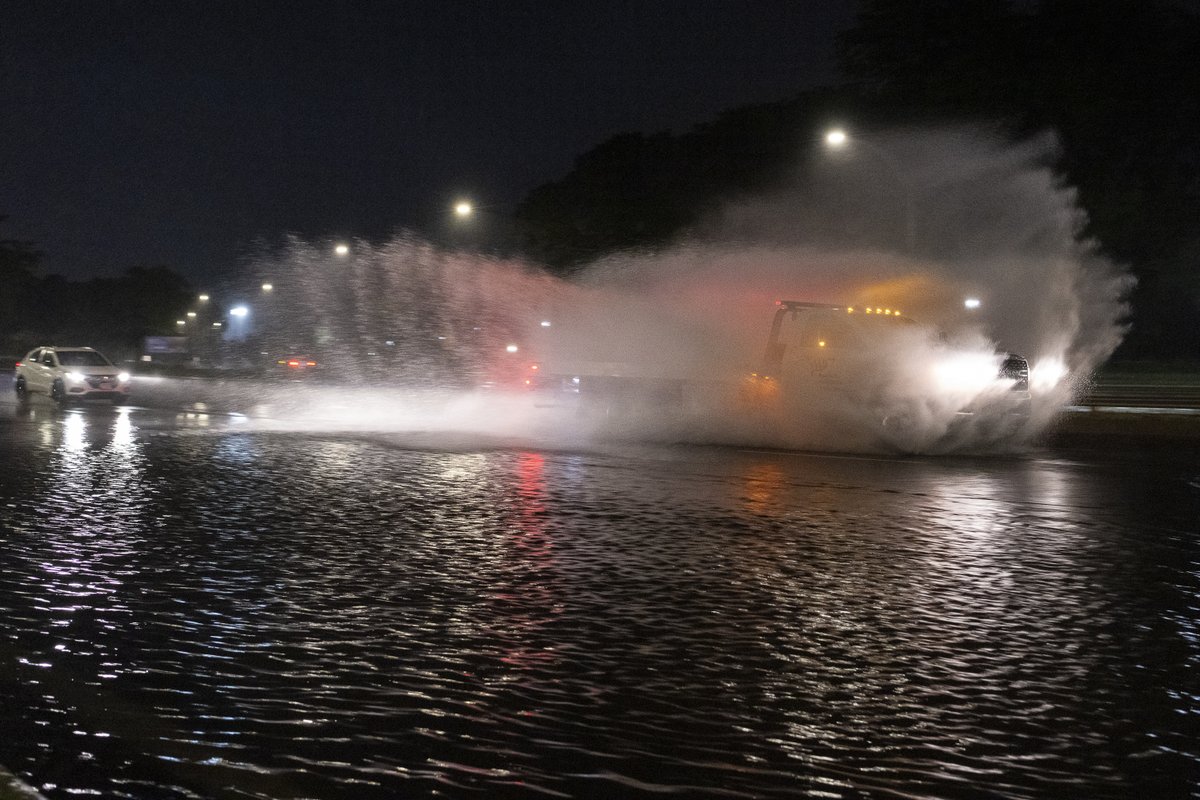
(70,373)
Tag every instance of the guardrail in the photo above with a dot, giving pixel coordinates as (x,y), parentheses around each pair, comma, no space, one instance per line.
(1144,392)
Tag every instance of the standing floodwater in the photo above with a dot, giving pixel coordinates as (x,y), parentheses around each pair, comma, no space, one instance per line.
(196,611)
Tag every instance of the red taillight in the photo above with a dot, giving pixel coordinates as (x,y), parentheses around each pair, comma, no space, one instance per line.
(312,363)
(293,363)
(18,364)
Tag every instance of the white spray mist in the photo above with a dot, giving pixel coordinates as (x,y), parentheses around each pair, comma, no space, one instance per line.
(939,217)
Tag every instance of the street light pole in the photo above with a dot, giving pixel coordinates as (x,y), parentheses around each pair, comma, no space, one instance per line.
(838,139)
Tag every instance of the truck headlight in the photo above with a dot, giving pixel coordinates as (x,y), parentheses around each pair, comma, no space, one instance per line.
(1047,374)
(75,377)
(967,373)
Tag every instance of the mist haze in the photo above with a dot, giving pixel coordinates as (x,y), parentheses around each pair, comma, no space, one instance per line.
(915,220)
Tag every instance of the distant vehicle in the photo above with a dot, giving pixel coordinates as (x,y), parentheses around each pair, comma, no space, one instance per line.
(297,362)
(296,367)
(65,374)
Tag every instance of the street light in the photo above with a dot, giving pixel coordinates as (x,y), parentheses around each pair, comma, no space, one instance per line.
(266,287)
(239,325)
(203,298)
(971,303)
(837,139)
(477,226)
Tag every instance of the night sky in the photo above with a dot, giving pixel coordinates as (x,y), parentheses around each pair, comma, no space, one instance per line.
(180,133)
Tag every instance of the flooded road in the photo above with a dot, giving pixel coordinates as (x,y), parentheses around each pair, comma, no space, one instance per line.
(194,607)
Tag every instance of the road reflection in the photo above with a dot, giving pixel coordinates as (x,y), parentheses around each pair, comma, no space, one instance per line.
(762,485)
(527,599)
(96,459)
(351,614)
(82,529)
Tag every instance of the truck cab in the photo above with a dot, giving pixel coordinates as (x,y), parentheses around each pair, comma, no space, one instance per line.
(827,342)
(877,363)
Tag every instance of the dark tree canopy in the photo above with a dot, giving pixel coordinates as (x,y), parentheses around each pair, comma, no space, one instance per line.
(19,260)
(110,313)
(18,265)
(639,191)
(1116,80)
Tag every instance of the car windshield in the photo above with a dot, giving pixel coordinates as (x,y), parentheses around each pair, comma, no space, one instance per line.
(82,358)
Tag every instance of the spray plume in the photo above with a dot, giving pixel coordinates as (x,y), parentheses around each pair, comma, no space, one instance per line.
(916,221)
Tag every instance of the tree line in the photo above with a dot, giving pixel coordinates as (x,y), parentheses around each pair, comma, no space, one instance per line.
(1115,80)
(111,314)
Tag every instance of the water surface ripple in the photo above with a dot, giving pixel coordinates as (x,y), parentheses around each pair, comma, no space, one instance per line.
(195,614)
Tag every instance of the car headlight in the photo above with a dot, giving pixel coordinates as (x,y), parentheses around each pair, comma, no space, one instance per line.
(76,377)
(123,377)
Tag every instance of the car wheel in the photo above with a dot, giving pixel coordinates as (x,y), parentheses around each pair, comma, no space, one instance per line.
(22,392)
(58,394)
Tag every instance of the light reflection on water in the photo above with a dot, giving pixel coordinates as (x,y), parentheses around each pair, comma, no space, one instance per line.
(81,520)
(238,614)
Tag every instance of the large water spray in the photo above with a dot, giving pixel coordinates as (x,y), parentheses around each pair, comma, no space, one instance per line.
(917,221)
